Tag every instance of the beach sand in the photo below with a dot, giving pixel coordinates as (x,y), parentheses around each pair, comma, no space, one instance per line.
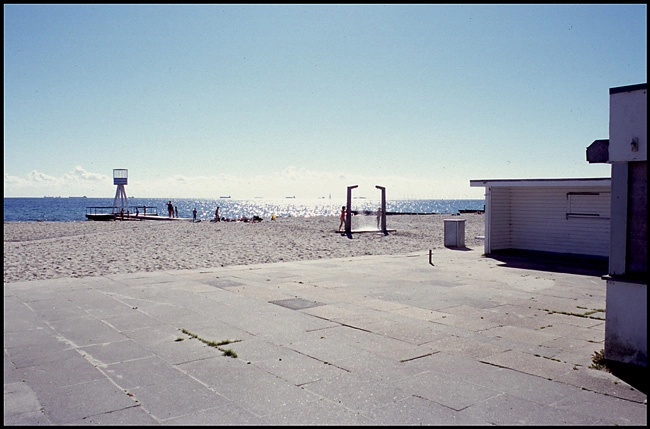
(49,250)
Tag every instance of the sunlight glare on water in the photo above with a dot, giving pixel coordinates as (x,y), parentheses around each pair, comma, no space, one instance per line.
(74,209)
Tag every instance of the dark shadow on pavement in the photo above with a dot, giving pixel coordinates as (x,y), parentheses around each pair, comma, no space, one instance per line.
(555,262)
(634,375)
(463,248)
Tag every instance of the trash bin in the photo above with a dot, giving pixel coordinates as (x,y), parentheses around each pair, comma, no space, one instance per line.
(454,232)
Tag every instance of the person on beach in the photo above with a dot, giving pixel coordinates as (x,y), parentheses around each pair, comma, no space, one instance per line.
(216,215)
(170,209)
(137,212)
(144,210)
(378,217)
(176,211)
(342,217)
(194,215)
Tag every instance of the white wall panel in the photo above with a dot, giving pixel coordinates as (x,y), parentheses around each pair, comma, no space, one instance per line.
(541,219)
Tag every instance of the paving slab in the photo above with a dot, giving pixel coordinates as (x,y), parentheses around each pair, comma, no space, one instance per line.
(377,340)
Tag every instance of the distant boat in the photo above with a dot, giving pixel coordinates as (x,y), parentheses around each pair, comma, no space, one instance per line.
(225,196)
(78,197)
(292,197)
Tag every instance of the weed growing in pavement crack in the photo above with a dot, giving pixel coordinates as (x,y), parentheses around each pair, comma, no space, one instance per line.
(598,361)
(215,344)
(586,314)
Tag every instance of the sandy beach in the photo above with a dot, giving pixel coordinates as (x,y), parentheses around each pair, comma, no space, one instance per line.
(49,250)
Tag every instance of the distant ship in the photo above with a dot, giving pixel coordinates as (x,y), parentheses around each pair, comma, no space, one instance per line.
(292,197)
(225,196)
(78,197)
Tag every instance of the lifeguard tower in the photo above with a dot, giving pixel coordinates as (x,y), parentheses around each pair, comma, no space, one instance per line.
(120,179)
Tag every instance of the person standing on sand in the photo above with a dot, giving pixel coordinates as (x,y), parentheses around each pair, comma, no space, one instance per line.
(216,215)
(378,217)
(170,209)
(342,217)
(175,211)
(194,215)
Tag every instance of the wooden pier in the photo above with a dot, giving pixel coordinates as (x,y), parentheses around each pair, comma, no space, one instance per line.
(109,214)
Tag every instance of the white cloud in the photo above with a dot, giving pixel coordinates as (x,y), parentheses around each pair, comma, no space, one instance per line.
(12,180)
(76,182)
(35,176)
(292,181)
(79,174)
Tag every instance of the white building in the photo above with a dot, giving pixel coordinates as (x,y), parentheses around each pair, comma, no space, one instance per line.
(570,216)
(626,332)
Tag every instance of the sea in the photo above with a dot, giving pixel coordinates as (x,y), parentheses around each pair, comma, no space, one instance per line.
(73,209)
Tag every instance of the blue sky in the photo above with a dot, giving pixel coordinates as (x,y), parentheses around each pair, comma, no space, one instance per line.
(199,101)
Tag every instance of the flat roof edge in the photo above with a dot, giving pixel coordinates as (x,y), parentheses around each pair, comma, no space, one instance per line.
(595,181)
(628,88)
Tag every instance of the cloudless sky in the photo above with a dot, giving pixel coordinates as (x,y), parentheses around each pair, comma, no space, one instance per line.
(199,101)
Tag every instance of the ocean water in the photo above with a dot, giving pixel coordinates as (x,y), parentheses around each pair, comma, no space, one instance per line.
(74,209)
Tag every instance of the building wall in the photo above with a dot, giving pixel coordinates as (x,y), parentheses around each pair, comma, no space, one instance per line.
(628,124)
(626,324)
(499,218)
(626,334)
(573,220)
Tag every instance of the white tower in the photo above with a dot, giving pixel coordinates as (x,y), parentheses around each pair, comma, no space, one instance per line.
(120,178)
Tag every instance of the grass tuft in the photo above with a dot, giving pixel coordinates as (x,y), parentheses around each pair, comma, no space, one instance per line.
(598,361)
(215,344)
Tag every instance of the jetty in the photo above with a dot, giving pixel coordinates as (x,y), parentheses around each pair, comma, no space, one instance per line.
(108,213)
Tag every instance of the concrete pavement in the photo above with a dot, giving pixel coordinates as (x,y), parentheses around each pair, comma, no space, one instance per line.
(377,340)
